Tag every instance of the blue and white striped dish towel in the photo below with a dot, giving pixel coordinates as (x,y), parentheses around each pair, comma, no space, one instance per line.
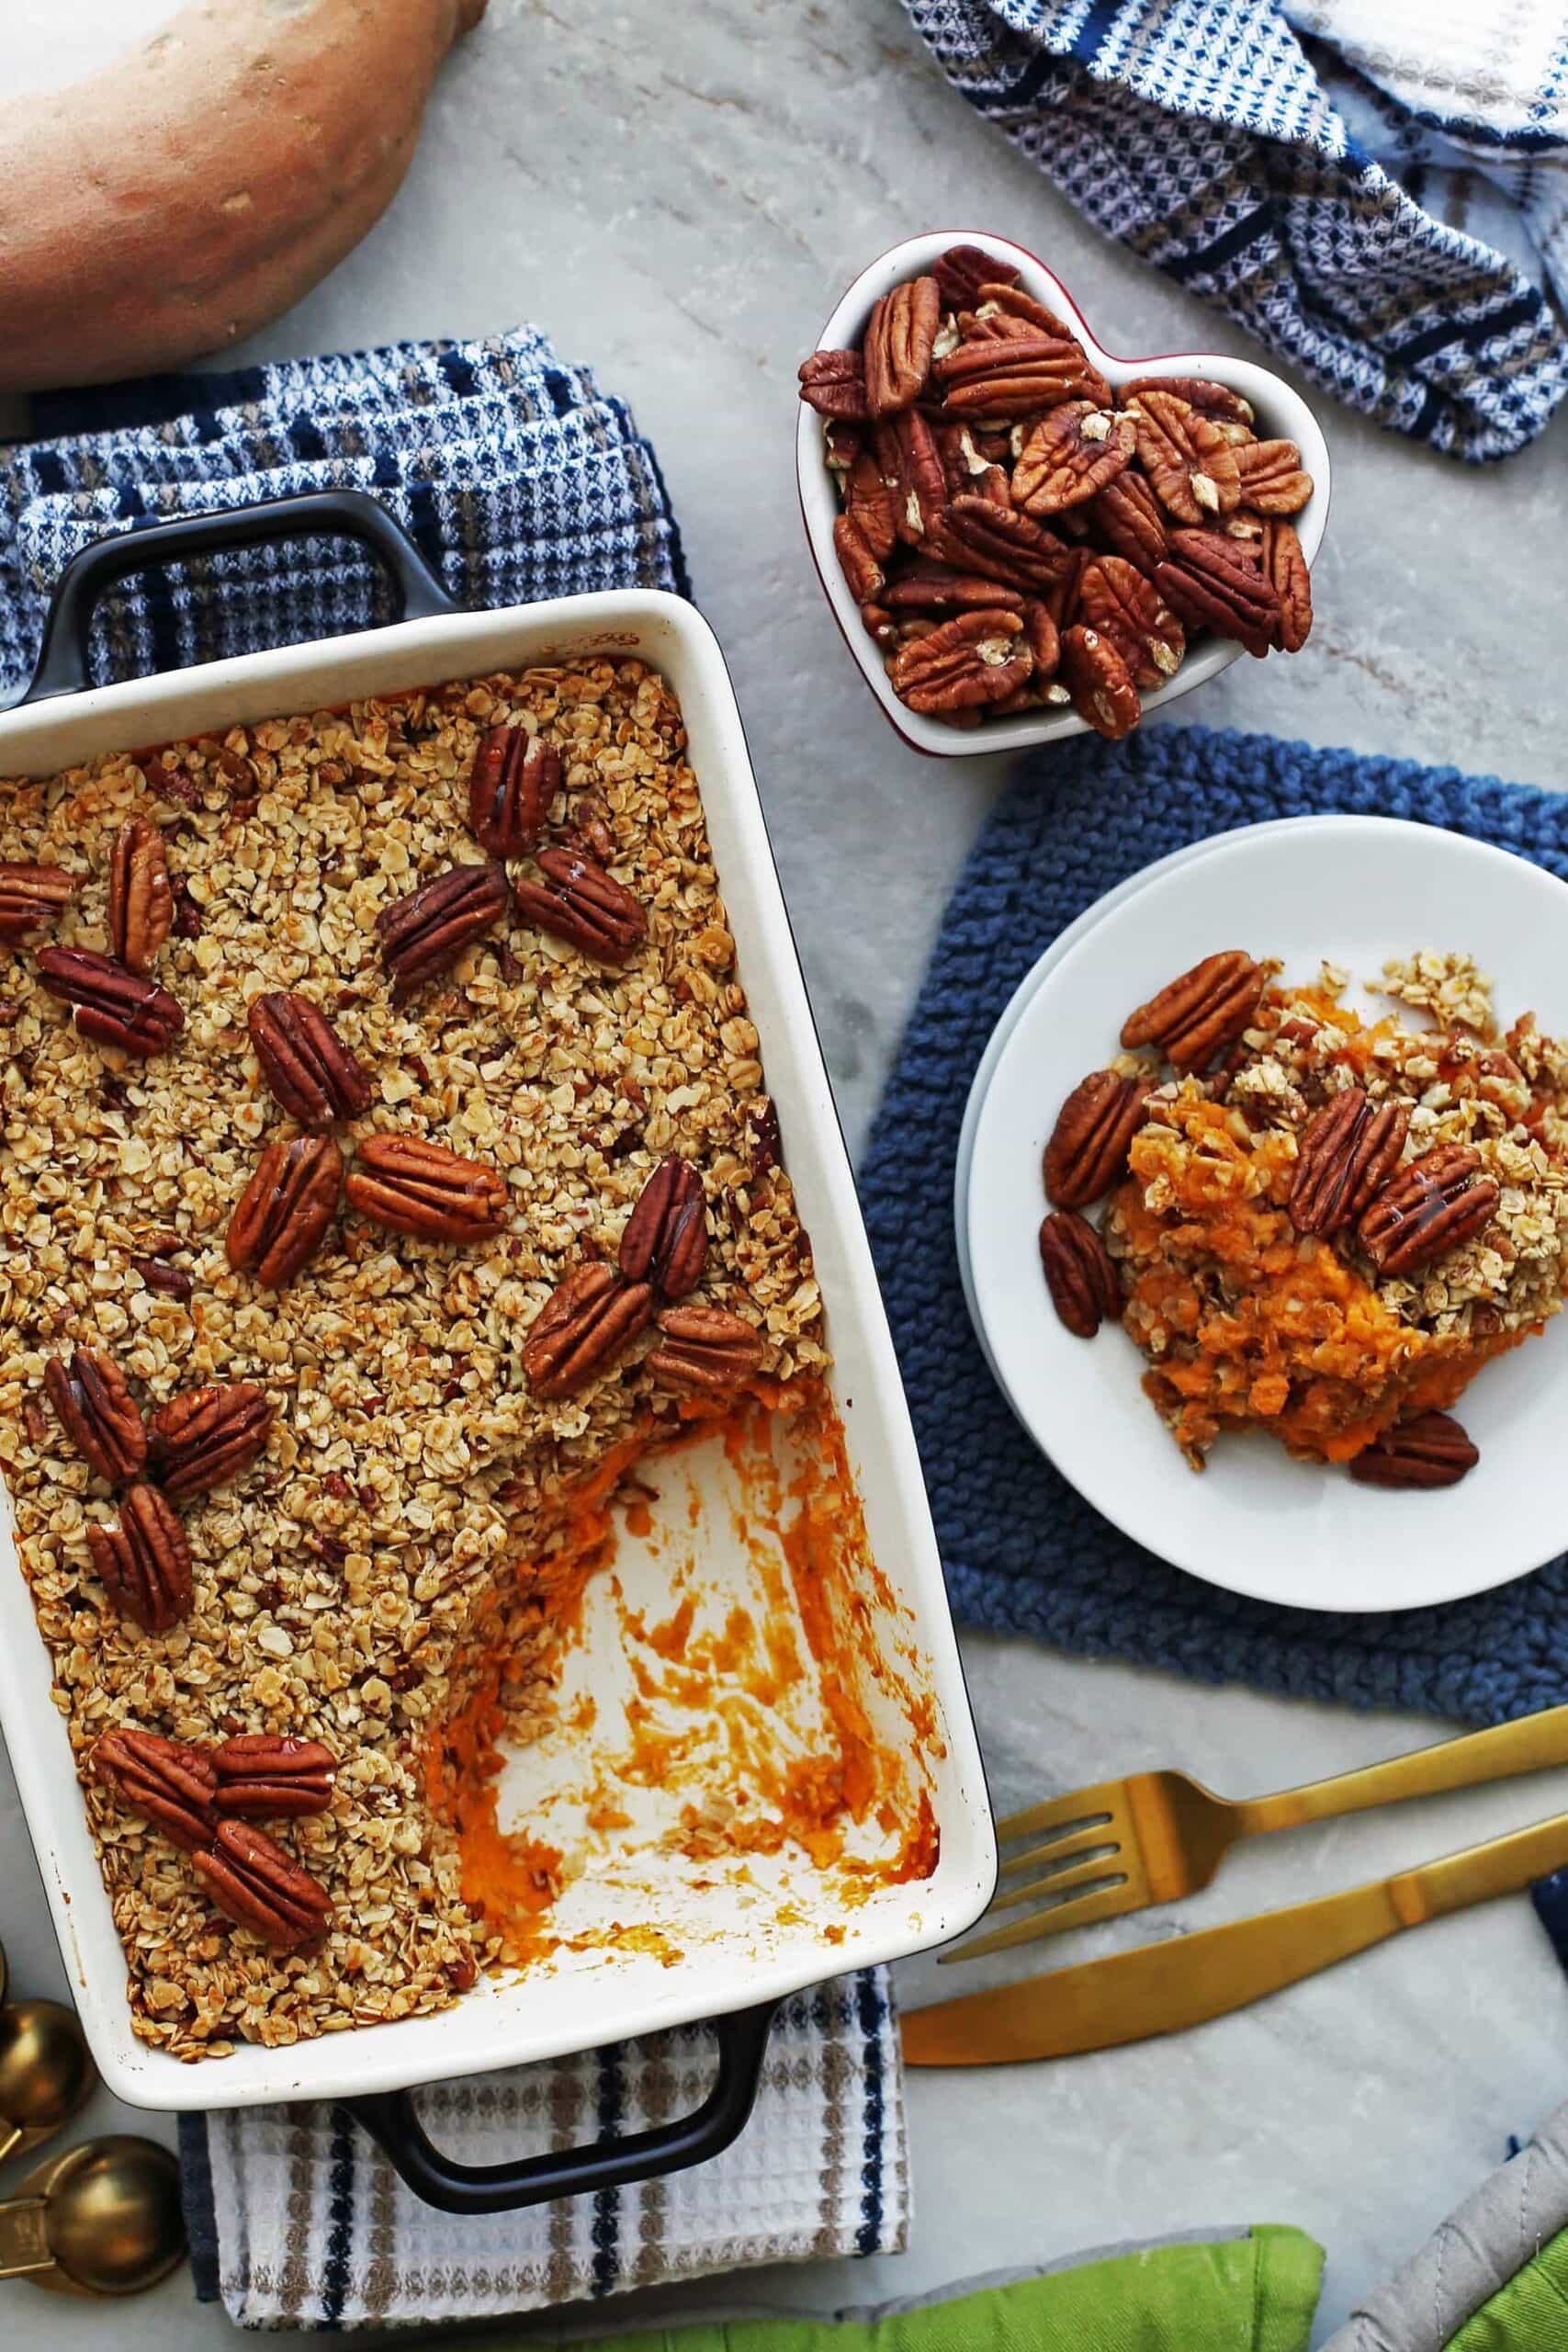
(518,480)
(1377,189)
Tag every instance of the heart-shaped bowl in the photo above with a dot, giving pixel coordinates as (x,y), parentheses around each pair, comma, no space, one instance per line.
(1279,410)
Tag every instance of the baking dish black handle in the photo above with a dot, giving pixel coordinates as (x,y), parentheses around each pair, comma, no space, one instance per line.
(317,513)
(454,2187)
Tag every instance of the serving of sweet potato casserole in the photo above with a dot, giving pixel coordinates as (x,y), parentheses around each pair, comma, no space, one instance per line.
(1316,1225)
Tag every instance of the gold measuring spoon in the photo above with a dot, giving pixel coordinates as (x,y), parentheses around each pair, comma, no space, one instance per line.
(46,2073)
(102,2218)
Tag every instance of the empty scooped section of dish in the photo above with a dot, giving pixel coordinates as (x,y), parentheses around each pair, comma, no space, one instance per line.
(731,1741)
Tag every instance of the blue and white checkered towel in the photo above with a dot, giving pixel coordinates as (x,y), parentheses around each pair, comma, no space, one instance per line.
(1377,189)
(518,480)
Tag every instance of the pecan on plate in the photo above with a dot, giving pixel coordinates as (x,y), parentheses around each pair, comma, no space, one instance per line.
(1044,639)
(515,776)
(666,1238)
(310,1069)
(169,1781)
(283,1214)
(1096,677)
(1069,457)
(1079,1275)
(252,1882)
(108,1004)
(705,1348)
(1195,1017)
(863,573)
(975,536)
(267,1776)
(98,1413)
(1117,600)
(1214,582)
(1285,569)
(1431,1206)
(1272,480)
(936,588)
(1216,401)
(1003,303)
(581,1328)
(1012,375)
(423,1189)
(1088,1151)
(897,345)
(980,658)
(868,504)
(1431,1449)
(966,470)
(1190,464)
(1347,1153)
(207,1435)
(33,899)
(962,270)
(141,900)
(833,383)
(910,466)
(1127,515)
(427,931)
(582,904)
(144,1561)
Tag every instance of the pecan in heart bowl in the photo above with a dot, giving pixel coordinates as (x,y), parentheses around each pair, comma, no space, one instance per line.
(959,426)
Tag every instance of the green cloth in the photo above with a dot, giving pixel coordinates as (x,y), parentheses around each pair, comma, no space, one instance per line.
(1251,2293)
(1531,2313)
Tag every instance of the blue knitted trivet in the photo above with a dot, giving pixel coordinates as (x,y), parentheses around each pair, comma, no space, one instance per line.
(1023,1552)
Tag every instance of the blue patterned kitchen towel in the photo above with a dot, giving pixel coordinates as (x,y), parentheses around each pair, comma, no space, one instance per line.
(1023,1552)
(518,480)
(1377,189)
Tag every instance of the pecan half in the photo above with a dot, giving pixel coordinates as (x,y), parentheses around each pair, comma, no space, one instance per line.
(209,1435)
(281,1217)
(144,1561)
(1432,1450)
(1285,569)
(425,1190)
(1012,375)
(141,902)
(1272,480)
(583,1327)
(169,1781)
(427,931)
(863,573)
(33,899)
(911,466)
(108,1004)
(1100,684)
(580,902)
(1430,1207)
(666,1237)
(257,1885)
(833,383)
(935,588)
(868,504)
(1116,598)
(98,1413)
(1070,455)
(962,270)
(1088,1151)
(1213,584)
(1215,401)
(1079,1275)
(980,658)
(1003,303)
(897,348)
(1190,464)
(266,1775)
(997,541)
(1194,1018)
(1347,1154)
(514,777)
(1126,513)
(1044,639)
(705,1348)
(310,1069)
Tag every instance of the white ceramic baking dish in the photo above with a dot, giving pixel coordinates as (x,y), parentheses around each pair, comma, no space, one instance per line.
(738,1972)
(1279,411)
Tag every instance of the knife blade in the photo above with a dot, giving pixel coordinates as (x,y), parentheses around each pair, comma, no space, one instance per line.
(1160,1988)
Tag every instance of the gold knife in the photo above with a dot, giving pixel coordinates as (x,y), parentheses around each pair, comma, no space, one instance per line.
(1159,1988)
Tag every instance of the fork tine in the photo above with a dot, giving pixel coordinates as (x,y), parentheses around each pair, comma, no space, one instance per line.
(1095,1837)
(1064,1813)
(1078,1911)
(1098,1864)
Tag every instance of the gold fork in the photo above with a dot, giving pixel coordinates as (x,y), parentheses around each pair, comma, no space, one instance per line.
(1154,1837)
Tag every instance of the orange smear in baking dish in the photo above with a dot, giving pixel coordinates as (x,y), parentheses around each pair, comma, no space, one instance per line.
(1259,1326)
(731,1677)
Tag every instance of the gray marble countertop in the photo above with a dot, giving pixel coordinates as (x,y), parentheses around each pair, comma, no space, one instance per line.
(679,194)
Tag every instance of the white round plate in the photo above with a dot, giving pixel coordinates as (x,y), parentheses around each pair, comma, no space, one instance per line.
(1354,891)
